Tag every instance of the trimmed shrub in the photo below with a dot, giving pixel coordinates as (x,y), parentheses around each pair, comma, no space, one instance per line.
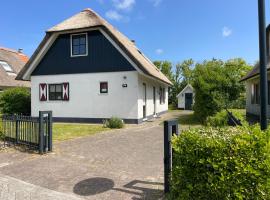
(226,163)
(16,101)
(220,119)
(114,122)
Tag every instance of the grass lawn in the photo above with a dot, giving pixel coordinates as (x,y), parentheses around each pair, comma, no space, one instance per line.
(63,131)
(188,120)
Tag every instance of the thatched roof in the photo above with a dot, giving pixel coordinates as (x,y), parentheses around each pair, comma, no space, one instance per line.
(16,61)
(89,19)
(254,72)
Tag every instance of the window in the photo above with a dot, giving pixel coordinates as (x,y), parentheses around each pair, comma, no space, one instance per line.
(255,93)
(6,66)
(79,45)
(162,95)
(103,87)
(55,92)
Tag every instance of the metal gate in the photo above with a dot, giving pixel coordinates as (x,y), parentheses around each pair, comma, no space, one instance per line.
(30,132)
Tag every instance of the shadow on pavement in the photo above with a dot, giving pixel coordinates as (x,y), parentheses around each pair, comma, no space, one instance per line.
(142,189)
(93,186)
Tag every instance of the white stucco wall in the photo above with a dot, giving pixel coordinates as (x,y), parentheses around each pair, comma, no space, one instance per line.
(253,108)
(85,98)
(150,83)
(181,98)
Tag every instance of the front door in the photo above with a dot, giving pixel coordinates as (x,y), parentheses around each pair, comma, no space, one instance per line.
(188,101)
(154,100)
(144,100)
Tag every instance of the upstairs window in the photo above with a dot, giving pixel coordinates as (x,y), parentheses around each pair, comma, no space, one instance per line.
(79,45)
(103,87)
(6,66)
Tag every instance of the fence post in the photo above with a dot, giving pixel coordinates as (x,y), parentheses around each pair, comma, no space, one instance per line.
(170,128)
(41,133)
(17,128)
(50,130)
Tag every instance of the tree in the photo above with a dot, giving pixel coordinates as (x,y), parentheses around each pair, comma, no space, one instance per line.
(165,67)
(216,85)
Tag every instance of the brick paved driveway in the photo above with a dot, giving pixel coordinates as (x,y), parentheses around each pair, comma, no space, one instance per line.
(121,164)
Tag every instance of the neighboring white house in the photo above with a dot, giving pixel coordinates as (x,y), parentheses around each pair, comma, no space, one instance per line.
(186,98)
(252,80)
(85,70)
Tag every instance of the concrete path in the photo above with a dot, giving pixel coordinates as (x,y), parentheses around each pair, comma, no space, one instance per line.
(121,164)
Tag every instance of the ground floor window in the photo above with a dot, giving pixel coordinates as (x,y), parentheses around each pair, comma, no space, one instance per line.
(255,93)
(103,87)
(162,95)
(55,92)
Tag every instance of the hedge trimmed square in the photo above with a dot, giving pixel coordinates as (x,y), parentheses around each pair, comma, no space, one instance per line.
(217,164)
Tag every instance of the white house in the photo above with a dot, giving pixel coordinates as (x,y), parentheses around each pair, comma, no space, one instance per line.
(85,70)
(252,80)
(185,98)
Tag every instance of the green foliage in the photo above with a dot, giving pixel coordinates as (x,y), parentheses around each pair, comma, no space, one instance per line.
(220,119)
(114,122)
(225,163)
(16,101)
(180,77)
(216,84)
(2,136)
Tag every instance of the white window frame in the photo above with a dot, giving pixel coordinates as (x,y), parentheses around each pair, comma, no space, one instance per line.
(71,46)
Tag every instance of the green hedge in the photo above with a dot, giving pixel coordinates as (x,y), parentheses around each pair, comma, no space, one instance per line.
(224,163)
(16,101)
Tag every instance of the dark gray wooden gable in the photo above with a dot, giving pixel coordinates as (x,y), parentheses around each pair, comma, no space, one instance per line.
(102,57)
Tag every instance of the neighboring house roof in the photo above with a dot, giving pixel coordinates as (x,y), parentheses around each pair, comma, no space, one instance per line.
(89,19)
(15,60)
(185,88)
(254,72)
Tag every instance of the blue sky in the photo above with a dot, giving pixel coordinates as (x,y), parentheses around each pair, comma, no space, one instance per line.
(163,29)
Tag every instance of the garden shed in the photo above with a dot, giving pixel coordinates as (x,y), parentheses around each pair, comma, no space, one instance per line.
(185,98)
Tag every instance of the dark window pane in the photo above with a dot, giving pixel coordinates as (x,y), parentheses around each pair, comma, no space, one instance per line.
(58,88)
(59,95)
(75,41)
(52,88)
(103,87)
(76,50)
(82,49)
(83,39)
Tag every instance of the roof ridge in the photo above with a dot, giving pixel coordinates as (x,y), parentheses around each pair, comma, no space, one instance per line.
(12,50)
(22,56)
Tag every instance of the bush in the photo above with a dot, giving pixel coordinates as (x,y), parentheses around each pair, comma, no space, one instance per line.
(114,122)
(221,118)
(228,163)
(16,101)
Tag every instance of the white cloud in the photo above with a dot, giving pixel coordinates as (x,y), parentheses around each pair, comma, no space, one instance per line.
(124,4)
(114,15)
(156,3)
(226,31)
(159,51)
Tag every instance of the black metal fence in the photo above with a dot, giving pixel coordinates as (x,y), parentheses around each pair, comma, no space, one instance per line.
(32,132)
